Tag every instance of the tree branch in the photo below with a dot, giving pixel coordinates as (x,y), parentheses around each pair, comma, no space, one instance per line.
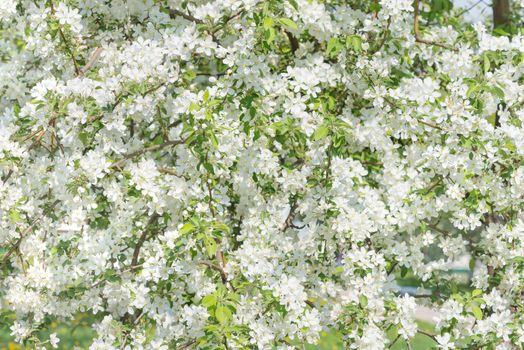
(418,37)
(177,13)
(142,240)
(17,244)
(91,61)
(118,164)
(220,269)
(293,41)
(432,336)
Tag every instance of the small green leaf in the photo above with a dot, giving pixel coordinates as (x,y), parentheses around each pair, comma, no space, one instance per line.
(223,314)
(14,216)
(471,89)
(403,271)
(486,64)
(270,35)
(214,140)
(472,262)
(495,90)
(187,228)
(193,107)
(289,24)
(268,23)
(222,227)
(209,300)
(332,46)
(354,42)
(492,119)
(363,301)
(206,95)
(211,246)
(320,133)
(476,292)
(477,312)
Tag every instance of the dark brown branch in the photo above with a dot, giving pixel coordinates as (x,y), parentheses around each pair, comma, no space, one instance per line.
(293,41)
(177,13)
(7,176)
(186,345)
(501,13)
(290,217)
(328,167)
(227,21)
(219,269)
(142,240)
(168,171)
(429,124)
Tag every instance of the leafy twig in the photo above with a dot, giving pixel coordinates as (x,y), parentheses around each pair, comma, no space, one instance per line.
(64,41)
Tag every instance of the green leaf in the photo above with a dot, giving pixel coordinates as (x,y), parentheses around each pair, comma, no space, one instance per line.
(270,35)
(320,133)
(492,119)
(486,64)
(476,292)
(495,90)
(354,42)
(363,301)
(206,95)
(14,216)
(472,262)
(289,24)
(209,300)
(333,46)
(403,271)
(477,312)
(214,140)
(187,228)
(209,167)
(193,107)
(211,246)
(268,23)
(189,75)
(222,313)
(294,4)
(222,227)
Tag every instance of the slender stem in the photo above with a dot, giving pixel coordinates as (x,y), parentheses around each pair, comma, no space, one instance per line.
(118,164)
(91,61)
(142,240)
(427,334)
(64,41)
(394,341)
(177,13)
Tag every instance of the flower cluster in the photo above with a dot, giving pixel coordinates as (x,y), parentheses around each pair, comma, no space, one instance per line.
(242,174)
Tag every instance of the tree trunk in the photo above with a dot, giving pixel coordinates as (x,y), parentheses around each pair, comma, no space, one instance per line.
(501,13)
